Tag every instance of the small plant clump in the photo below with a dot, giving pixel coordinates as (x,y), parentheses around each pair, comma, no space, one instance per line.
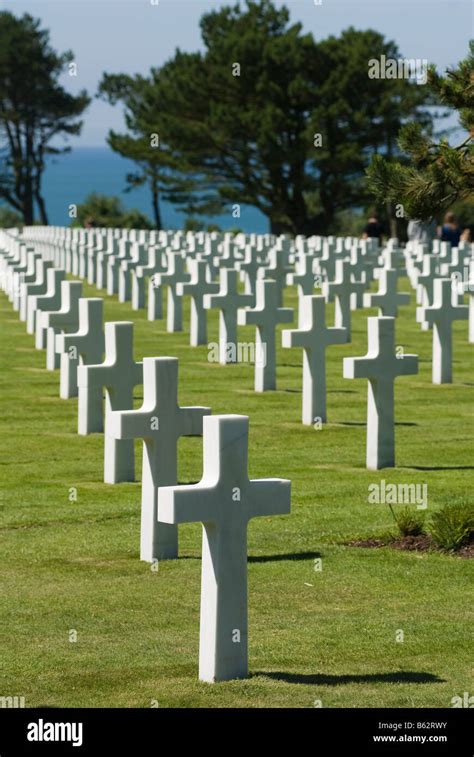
(409,522)
(452,527)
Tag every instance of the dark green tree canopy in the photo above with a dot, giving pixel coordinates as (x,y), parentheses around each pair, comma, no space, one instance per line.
(436,174)
(100,210)
(268,117)
(34,109)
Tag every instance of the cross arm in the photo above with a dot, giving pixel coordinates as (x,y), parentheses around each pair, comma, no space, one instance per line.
(358,367)
(249,317)
(403,298)
(427,314)
(95,376)
(210,301)
(186,504)
(336,335)
(191,420)
(285,315)
(64,342)
(296,338)
(407,365)
(269,496)
(129,424)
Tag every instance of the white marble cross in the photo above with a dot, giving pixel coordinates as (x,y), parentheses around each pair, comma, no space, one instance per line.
(314,337)
(197,288)
(229,256)
(86,347)
(467,287)
(22,278)
(265,316)
(387,299)
(37,287)
(249,268)
(326,264)
(380,366)
(139,257)
(64,319)
(228,301)
(176,274)
(140,274)
(50,300)
(440,315)
(119,374)
(102,262)
(277,269)
(114,262)
(303,277)
(342,288)
(425,280)
(160,422)
(224,501)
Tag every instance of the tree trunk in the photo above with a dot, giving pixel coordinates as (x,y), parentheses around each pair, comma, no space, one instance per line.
(42,208)
(392,222)
(156,206)
(27,204)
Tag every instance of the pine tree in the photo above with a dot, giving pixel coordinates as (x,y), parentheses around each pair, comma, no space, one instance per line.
(438,173)
(35,110)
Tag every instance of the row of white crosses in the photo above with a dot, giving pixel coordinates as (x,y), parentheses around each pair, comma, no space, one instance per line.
(345,288)
(350,279)
(223,648)
(224,500)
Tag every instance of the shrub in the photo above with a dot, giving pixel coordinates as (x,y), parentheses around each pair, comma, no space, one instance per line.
(409,522)
(453,525)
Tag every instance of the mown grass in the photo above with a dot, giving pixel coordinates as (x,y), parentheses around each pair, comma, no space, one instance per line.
(327,635)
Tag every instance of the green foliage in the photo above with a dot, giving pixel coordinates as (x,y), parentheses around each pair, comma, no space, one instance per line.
(409,522)
(157,164)
(238,122)
(109,212)
(9,219)
(464,212)
(453,525)
(34,110)
(438,174)
(193,224)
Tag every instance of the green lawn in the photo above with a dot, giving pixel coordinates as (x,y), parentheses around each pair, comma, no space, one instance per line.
(328,635)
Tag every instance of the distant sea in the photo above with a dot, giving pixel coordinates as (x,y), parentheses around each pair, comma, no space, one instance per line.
(69,178)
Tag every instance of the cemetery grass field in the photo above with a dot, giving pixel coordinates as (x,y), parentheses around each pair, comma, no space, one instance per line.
(326,635)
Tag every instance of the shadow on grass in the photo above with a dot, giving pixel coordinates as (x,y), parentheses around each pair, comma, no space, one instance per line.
(360,423)
(282,558)
(321,679)
(341,391)
(436,467)
(267,558)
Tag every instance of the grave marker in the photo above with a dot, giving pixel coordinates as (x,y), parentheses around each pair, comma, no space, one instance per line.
(224,501)
(265,316)
(118,374)
(380,366)
(314,337)
(160,422)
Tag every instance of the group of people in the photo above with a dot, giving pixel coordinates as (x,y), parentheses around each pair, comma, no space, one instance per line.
(424,231)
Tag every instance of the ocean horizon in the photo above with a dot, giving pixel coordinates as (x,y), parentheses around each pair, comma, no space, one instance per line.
(70,178)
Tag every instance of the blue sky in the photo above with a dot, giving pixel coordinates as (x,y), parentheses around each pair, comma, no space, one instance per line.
(132,35)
